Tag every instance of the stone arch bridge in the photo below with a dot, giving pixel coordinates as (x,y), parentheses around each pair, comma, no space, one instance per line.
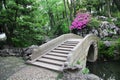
(65,50)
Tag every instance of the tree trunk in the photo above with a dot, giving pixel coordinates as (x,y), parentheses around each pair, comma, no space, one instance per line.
(8,34)
(108,8)
(50,14)
(70,9)
(74,7)
(66,14)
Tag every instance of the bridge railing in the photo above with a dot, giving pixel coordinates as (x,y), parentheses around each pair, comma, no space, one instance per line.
(71,60)
(81,51)
(89,40)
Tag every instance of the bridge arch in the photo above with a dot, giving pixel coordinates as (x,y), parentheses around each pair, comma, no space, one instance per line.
(52,55)
(92,52)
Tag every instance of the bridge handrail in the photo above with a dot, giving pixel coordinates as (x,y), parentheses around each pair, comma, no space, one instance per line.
(82,47)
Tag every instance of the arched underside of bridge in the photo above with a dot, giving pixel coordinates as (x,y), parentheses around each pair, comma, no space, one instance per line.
(92,52)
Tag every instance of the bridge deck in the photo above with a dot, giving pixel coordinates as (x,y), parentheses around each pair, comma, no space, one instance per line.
(55,58)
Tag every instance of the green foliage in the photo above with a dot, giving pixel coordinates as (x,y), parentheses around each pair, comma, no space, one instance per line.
(117,23)
(55,16)
(109,20)
(118,45)
(60,76)
(94,23)
(101,48)
(19,22)
(108,39)
(116,14)
(28,22)
(111,51)
(106,51)
(78,62)
(85,71)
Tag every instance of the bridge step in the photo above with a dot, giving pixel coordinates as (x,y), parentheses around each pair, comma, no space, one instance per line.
(58,54)
(63,46)
(69,44)
(72,42)
(55,57)
(60,51)
(47,65)
(50,61)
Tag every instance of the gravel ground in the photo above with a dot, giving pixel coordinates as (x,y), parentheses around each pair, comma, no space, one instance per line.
(10,65)
(34,73)
(14,68)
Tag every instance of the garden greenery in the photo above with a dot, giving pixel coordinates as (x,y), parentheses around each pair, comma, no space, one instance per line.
(109,52)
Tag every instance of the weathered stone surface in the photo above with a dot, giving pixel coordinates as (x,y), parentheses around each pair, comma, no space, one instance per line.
(92,77)
(102,18)
(105,29)
(94,31)
(73,73)
(2,37)
(108,29)
(34,73)
(18,51)
(72,68)
(107,43)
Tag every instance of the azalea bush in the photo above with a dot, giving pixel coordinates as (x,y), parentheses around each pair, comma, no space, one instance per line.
(80,21)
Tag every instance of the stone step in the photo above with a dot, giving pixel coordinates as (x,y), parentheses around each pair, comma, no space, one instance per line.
(58,54)
(69,44)
(50,61)
(48,66)
(60,51)
(62,48)
(69,47)
(55,57)
(71,41)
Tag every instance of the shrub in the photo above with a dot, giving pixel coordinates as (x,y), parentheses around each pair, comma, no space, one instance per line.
(117,23)
(60,76)
(118,45)
(107,52)
(85,71)
(101,48)
(78,62)
(93,23)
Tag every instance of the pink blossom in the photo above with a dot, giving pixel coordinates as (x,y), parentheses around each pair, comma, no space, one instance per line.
(80,21)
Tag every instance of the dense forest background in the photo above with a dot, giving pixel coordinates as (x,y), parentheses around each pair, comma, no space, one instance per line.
(28,22)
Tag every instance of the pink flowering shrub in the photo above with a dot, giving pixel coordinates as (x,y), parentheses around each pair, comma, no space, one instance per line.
(80,21)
